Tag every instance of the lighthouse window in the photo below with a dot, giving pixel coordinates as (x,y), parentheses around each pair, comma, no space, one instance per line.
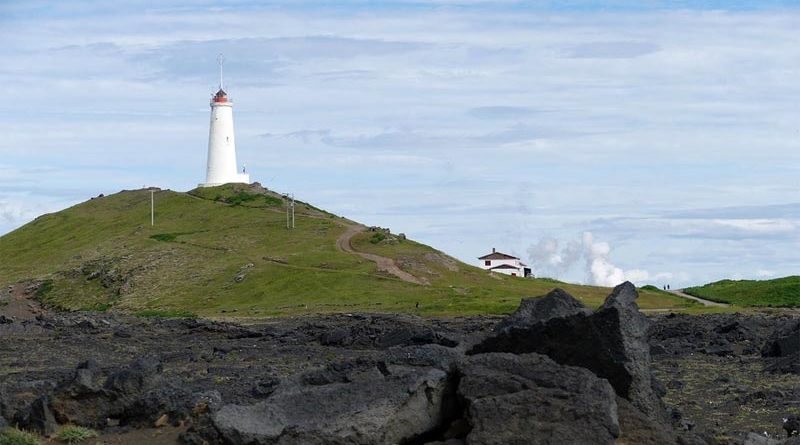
(227,139)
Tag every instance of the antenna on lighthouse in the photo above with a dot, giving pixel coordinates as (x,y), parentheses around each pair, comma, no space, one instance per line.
(220,60)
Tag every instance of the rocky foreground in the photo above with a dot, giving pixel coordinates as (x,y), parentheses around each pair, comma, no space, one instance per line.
(554,372)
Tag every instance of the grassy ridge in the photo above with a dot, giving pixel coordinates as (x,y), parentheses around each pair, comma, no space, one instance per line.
(780,292)
(226,250)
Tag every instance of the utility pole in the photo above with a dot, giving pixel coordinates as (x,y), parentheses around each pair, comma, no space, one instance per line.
(152,208)
(289,209)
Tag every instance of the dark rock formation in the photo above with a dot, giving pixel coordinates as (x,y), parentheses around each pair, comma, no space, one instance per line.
(719,334)
(357,404)
(558,303)
(529,399)
(40,417)
(387,378)
(782,349)
(784,341)
(130,382)
(611,342)
(791,424)
(136,394)
(757,439)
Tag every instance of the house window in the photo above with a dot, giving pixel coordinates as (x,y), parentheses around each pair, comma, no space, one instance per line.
(487,263)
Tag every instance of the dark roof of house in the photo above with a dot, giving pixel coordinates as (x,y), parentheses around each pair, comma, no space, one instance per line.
(498,256)
(504,266)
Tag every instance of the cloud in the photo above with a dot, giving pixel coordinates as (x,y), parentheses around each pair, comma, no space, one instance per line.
(501,112)
(551,257)
(764,273)
(611,50)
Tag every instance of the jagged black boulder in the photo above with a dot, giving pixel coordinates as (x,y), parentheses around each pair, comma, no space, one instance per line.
(611,342)
(784,341)
(133,380)
(557,303)
(782,349)
(40,417)
(529,399)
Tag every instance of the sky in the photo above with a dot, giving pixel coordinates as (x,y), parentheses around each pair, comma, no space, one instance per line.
(599,141)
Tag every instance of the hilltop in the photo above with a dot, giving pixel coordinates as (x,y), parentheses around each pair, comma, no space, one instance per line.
(779,292)
(226,251)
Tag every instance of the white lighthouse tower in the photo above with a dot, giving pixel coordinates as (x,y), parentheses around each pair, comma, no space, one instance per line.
(222,167)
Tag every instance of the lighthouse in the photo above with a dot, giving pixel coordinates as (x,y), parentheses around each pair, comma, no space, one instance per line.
(222,167)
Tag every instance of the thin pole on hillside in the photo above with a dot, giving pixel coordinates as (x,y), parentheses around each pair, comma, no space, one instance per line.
(152,208)
(289,197)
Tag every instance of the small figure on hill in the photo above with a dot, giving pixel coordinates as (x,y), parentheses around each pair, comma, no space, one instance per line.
(417,305)
(667,286)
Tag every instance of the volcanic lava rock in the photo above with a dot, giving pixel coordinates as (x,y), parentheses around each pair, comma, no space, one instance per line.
(88,379)
(265,387)
(359,404)
(791,425)
(529,399)
(611,342)
(136,394)
(132,381)
(557,303)
(717,334)
(40,417)
(782,349)
(785,341)
(757,439)
(378,333)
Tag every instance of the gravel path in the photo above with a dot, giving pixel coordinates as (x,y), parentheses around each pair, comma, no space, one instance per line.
(704,302)
(384,264)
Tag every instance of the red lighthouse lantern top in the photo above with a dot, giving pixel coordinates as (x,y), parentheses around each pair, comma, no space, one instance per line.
(221,96)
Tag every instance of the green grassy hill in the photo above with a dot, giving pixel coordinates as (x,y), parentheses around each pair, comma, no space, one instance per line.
(780,292)
(226,250)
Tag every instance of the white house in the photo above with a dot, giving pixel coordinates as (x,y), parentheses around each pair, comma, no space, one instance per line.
(504,263)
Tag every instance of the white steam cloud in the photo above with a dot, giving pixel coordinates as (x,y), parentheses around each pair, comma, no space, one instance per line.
(550,257)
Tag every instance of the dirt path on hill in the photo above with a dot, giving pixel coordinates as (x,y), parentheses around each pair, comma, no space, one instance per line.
(15,303)
(704,302)
(384,264)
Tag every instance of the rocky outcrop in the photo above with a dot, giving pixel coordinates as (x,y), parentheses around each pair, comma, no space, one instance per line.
(136,394)
(715,334)
(351,404)
(556,304)
(40,417)
(782,349)
(529,399)
(611,342)
(385,378)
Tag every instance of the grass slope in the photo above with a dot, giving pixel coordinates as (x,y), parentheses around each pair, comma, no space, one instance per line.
(780,292)
(226,250)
